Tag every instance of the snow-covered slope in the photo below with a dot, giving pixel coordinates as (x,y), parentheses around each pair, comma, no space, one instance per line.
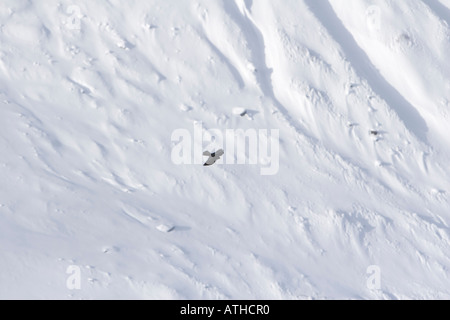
(91,93)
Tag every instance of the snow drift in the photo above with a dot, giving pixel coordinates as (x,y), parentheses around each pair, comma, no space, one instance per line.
(91,92)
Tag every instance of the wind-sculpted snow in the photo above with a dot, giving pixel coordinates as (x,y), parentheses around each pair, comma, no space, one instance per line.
(93,204)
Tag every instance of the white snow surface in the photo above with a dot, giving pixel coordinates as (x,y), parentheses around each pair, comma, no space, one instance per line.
(91,92)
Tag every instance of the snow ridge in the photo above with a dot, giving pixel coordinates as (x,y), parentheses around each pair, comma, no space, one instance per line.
(91,92)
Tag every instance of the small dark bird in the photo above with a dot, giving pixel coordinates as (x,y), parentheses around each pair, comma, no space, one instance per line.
(213,157)
(374,132)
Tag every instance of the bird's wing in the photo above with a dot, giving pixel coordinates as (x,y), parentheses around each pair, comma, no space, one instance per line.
(219,153)
(207,153)
(210,161)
